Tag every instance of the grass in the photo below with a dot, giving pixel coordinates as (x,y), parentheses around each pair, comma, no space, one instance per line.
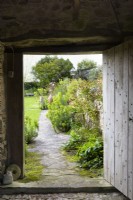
(33,167)
(32,108)
(91,173)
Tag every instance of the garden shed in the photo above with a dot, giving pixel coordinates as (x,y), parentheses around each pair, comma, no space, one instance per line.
(72,26)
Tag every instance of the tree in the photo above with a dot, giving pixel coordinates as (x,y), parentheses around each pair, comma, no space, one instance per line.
(50,69)
(95,73)
(88,70)
(87,64)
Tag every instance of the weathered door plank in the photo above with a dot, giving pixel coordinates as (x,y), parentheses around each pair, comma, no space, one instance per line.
(124,138)
(105,92)
(111,126)
(130,135)
(118,115)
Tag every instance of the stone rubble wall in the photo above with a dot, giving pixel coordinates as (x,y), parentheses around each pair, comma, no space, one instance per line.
(3,149)
(99,106)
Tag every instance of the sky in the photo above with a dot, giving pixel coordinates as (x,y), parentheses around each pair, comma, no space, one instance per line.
(30,60)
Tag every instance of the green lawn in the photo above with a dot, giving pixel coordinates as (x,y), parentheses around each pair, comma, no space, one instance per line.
(33,167)
(31,108)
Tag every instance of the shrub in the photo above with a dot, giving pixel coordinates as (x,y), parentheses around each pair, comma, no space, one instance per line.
(79,136)
(87,145)
(73,109)
(82,95)
(74,142)
(60,113)
(43,94)
(44,102)
(30,130)
(62,86)
(30,85)
(91,154)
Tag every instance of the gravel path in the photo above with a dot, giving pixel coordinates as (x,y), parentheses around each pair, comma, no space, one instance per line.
(79,196)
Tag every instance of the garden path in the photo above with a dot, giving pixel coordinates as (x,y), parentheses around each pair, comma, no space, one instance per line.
(58,171)
(49,144)
(59,174)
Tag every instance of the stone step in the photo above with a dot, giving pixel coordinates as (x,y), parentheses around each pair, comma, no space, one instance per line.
(50,190)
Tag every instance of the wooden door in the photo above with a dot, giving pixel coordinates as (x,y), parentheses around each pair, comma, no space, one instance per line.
(118,117)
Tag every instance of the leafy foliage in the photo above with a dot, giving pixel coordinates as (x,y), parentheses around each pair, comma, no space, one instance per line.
(88,70)
(30,88)
(30,85)
(91,153)
(87,64)
(33,167)
(79,136)
(82,95)
(51,69)
(43,97)
(30,130)
(87,147)
(41,92)
(73,108)
(77,105)
(95,73)
(44,103)
(62,86)
(74,142)
(60,113)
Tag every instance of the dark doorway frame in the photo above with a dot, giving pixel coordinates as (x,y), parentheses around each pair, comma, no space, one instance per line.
(14,94)
(15,108)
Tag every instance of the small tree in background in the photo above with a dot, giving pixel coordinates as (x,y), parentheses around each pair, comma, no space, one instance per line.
(87,64)
(88,70)
(50,69)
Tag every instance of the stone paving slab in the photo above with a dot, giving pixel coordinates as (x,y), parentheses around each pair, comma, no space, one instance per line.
(78,196)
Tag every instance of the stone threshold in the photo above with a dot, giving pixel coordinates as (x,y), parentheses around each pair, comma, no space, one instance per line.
(95,186)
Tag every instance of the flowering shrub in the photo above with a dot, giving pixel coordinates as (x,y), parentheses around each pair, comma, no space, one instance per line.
(82,95)
(73,109)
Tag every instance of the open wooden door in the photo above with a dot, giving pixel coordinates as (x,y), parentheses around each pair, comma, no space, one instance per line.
(118,117)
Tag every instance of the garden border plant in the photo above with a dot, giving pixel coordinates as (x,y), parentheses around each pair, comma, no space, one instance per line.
(33,166)
(74,102)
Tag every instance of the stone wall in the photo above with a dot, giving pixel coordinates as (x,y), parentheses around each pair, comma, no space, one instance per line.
(99,106)
(3,151)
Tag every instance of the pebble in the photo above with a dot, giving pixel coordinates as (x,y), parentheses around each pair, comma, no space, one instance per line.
(65,196)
